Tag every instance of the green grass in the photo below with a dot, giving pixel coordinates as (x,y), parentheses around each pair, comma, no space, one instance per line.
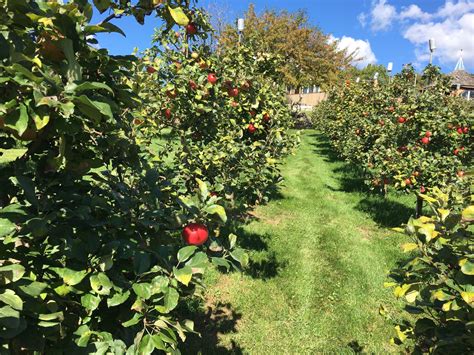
(320,254)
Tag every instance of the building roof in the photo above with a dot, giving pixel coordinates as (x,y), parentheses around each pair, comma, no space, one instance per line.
(463,78)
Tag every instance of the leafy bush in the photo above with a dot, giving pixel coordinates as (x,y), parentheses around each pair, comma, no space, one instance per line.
(410,137)
(90,215)
(437,281)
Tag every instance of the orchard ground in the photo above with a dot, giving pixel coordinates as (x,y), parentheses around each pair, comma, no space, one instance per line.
(320,254)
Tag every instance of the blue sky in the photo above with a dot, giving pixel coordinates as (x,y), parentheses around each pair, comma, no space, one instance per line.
(379,30)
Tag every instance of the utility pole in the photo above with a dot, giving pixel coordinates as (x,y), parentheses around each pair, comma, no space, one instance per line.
(240,28)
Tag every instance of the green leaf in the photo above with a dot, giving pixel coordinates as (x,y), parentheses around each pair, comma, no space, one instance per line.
(51,316)
(118,299)
(6,227)
(93,109)
(467,267)
(146,345)
(217,209)
(101,283)
(184,275)
(468,214)
(137,317)
(178,16)
(240,256)
(104,27)
(203,191)
(186,252)
(34,288)
(22,123)
(170,301)
(28,187)
(74,70)
(11,273)
(143,290)
(92,85)
(141,262)
(221,262)
(90,302)
(9,318)
(70,277)
(10,298)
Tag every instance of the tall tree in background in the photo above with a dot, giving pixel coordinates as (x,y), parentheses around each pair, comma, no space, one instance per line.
(309,57)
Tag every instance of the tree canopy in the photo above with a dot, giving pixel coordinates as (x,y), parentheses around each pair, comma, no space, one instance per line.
(309,56)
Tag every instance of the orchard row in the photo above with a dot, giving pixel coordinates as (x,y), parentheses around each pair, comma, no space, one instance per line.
(129,175)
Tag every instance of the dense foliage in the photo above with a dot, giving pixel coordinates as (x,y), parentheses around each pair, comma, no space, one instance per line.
(90,214)
(437,281)
(407,134)
(310,56)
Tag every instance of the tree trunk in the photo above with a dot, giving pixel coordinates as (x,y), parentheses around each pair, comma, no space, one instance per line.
(419,206)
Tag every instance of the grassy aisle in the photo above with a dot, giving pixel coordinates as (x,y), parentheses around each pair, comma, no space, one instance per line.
(320,254)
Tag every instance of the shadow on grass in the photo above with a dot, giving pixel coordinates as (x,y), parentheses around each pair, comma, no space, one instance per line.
(211,323)
(385,211)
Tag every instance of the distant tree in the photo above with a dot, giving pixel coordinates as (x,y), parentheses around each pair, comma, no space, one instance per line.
(309,57)
(366,74)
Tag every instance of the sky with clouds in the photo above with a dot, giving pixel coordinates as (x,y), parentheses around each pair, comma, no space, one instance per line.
(380,31)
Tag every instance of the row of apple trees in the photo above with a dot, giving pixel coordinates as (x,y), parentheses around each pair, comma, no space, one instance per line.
(116,172)
(411,134)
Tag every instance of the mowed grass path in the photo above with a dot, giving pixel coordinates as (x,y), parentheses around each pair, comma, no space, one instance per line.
(321,252)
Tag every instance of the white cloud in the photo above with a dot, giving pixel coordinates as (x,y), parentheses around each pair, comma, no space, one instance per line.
(414,12)
(451,35)
(360,49)
(382,15)
(451,25)
(455,9)
(362,19)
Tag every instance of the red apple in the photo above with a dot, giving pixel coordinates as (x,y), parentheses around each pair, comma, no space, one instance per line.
(266,117)
(251,128)
(407,181)
(168,113)
(193,85)
(195,234)
(214,194)
(234,104)
(422,189)
(460,173)
(456,151)
(401,119)
(386,181)
(465,129)
(191,28)
(391,109)
(212,78)
(252,113)
(460,130)
(171,94)
(233,92)
(150,70)
(428,134)
(425,140)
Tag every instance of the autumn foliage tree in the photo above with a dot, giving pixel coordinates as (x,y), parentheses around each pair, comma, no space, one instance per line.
(309,56)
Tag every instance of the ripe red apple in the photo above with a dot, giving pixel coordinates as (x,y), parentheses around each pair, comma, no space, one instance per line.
(401,119)
(251,128)
(212,78)
(422,189)
(428,134)
(195,234)
(465,129)
(460,173)
(168,113)
(234,104)
(460,130)
(193,85)
(233,92)
(266,117)
(171,94)
(191,28)
(213,193)
(150,70)
(425,140)
(408,181)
